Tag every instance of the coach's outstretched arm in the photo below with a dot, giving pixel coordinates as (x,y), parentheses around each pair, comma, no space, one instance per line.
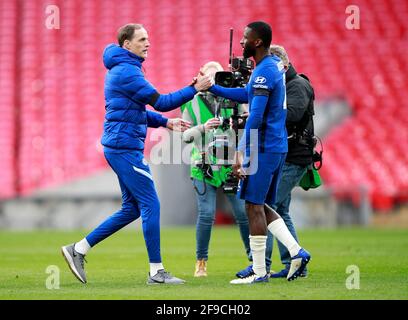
(143,91)
(170,101)
(239,95)
(155,120)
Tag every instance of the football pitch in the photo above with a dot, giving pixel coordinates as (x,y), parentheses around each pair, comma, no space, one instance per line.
(346,264)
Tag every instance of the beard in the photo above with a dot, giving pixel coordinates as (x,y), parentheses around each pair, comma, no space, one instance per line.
(248,52)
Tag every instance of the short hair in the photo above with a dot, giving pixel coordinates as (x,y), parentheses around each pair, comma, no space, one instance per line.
(127,31)
(263,30)
(280,51)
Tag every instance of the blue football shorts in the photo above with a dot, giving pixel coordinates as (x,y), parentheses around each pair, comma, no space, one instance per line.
(260,186)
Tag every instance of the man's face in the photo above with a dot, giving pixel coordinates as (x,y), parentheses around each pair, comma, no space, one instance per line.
(139,44)
(249,42)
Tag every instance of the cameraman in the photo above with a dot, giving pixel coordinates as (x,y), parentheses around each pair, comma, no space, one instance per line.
(207,178)
(299,125)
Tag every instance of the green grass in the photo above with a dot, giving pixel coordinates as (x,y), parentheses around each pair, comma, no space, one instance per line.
(117,268)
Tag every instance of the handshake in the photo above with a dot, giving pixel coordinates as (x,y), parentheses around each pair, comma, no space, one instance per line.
(202,82)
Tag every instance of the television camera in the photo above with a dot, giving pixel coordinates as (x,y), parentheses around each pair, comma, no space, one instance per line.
(222,145)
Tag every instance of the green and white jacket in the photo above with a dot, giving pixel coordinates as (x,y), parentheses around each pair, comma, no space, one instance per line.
(198,111)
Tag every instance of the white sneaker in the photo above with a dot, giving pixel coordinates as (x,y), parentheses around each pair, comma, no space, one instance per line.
(250,279)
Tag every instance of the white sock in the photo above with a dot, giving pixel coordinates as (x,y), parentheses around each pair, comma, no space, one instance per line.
(82,246)
(279,229)
(258,246)
(154,267)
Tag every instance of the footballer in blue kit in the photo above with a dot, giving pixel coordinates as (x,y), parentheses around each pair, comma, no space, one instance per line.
(268,118)
(266,95)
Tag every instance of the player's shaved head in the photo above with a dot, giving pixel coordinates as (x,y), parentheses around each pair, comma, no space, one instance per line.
(263,31)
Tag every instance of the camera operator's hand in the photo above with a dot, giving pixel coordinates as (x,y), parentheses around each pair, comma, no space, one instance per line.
(242,120)
(203,82)
(212,124)
(240,123)
(237,169)
(178,124)
(245,115)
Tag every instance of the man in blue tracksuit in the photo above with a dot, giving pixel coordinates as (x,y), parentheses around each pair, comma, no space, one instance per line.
(259,165)
(126,94)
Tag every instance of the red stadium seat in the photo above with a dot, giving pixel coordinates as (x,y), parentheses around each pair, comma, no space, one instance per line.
(58,82)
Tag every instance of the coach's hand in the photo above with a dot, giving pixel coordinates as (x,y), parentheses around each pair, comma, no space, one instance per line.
(203,82)
(237,169)
(178,124)
(194,81)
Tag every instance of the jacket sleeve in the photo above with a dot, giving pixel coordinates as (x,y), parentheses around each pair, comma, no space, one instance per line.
(143,91)
(155,120)
(297,101)
(137,87)
(171,101)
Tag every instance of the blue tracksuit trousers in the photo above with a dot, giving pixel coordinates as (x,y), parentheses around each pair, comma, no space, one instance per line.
(139,198)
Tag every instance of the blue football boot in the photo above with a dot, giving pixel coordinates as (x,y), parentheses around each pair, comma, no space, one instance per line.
(298,264)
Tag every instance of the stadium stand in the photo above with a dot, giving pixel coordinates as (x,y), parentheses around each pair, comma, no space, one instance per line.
(51,80)
(8,83)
